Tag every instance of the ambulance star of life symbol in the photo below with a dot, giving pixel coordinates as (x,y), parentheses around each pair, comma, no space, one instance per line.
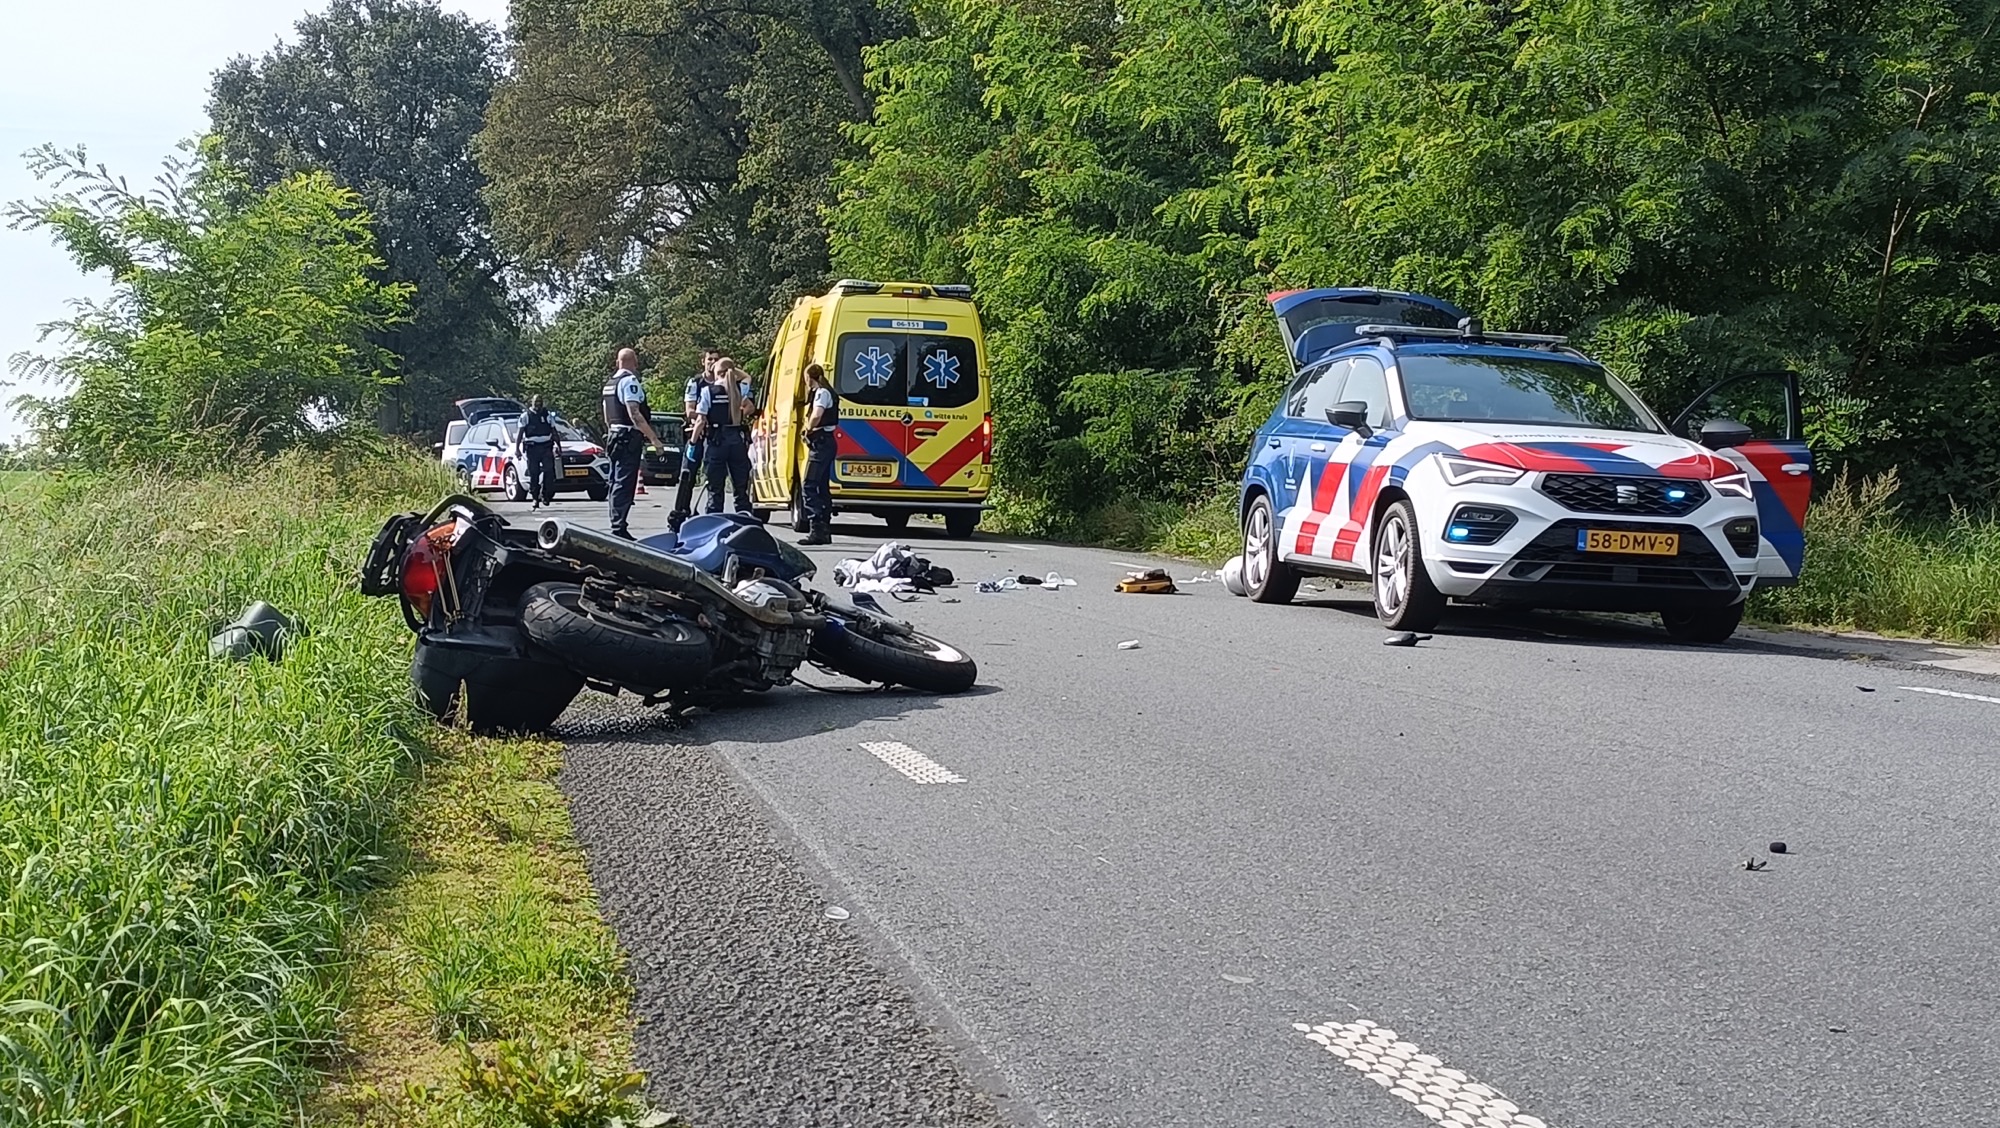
(941,368)
(1628,494)
(874,367)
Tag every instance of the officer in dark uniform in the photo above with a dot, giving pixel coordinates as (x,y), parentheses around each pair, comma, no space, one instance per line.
(628,426)
(822,419)
(538,441)
(724,425)
(691,456)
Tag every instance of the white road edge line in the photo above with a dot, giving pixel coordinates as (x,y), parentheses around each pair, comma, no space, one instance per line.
(912,763)
(1441,1093)
(1952,693)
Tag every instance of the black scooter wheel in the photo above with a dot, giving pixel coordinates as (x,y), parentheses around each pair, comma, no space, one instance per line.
(914,660)
(639,654)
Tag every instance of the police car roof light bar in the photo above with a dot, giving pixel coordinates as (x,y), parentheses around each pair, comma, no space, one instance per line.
(1468,330)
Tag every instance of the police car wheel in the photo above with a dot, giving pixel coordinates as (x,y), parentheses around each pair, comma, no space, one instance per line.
(511,483)
(1266,577)
(598,493)
(1405,599)
(1704,625)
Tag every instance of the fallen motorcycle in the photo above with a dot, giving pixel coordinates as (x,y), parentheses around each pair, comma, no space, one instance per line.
(515,622)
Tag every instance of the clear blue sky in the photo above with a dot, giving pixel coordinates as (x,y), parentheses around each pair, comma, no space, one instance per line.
(128,80)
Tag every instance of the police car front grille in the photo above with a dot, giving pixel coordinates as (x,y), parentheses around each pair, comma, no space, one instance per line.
(1697,566)
(1634,497)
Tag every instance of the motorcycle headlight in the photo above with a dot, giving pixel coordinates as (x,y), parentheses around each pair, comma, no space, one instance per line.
(1468,471)
(1733,485)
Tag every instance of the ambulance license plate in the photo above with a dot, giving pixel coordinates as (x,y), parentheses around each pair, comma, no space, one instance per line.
(868,471)
(1628,543)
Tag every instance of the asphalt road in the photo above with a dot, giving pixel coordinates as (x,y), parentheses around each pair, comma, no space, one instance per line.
(1263,870)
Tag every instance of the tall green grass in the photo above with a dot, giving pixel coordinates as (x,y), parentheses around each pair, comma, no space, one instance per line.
(180,837)
(1869,568)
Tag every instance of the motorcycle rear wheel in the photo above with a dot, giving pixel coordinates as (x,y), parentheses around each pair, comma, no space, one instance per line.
(914,660)
(649,656)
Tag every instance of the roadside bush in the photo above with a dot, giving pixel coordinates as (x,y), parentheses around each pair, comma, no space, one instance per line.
(180,836)
(1868,568)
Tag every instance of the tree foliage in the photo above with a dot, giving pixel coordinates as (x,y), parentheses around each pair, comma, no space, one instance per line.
(387,96)
(690,140)
(1690,187)
(240,320)
(1694,187)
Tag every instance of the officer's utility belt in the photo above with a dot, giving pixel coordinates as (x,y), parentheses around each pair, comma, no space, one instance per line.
(620,435)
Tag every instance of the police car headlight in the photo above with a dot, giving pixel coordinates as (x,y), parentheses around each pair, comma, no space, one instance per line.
(1733,485)
(1470,471)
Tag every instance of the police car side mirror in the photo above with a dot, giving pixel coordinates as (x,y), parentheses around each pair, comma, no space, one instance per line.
(1351,414)
(1721,434)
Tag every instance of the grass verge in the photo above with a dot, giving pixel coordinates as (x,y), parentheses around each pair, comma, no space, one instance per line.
(187,842)
(1868,568)
(488,990)
(1206,533)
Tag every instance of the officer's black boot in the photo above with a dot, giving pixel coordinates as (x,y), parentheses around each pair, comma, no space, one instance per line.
(820,534)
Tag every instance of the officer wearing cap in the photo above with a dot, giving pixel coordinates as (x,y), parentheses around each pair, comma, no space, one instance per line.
(628,426)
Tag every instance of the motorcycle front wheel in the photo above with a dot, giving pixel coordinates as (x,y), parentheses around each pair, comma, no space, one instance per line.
(914,660)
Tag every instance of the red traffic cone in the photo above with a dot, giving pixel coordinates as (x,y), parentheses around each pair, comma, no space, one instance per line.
(640,491)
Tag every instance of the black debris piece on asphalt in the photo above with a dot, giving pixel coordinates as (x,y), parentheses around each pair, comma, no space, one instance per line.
(755,1006)
(1405,638)
(1755,864)
(1865,688)
(1777,847)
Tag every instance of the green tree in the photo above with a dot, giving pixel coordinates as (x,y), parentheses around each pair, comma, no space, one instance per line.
(573,355)
(696,140)
(241,321)
(1066,160)
(1696,187)
(387,95)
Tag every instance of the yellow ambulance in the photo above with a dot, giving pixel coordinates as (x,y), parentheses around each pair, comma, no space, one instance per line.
(908,361)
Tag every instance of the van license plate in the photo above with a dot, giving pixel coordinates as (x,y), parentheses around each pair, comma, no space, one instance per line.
(1628,543)
(868,471)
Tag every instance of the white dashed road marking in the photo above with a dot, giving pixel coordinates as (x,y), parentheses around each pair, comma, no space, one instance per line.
(1950,693)
(910,762)
(1440,1092)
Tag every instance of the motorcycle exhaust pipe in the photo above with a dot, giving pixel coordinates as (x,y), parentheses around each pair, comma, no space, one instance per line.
(629,558)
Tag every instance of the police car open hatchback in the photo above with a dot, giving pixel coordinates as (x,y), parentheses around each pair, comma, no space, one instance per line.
(1446,463)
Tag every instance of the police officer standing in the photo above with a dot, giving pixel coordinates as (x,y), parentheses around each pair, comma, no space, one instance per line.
(538,441)
(691,455)
(628,426)
(823,416)
(723,424)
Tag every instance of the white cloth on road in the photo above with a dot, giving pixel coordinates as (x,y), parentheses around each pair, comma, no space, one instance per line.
(880,571)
